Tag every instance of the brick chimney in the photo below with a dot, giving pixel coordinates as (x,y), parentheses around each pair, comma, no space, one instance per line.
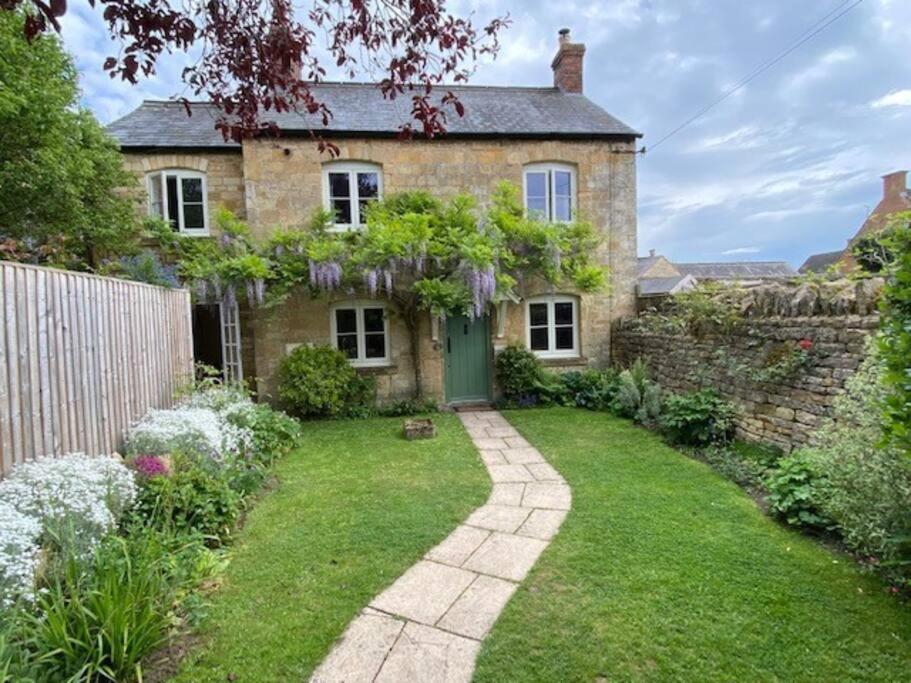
(567,64)
(895,184)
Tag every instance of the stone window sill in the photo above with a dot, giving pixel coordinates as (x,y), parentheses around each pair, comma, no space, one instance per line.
(376,369)
(563,362)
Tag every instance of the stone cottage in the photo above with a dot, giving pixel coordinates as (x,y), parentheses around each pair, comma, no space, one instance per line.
(567,154)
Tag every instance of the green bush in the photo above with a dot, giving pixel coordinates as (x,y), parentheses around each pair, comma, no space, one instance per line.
(697,418)
(638,397)
(192,499)
(318,381)
(591,389)
(745,464)
(798,490)
(407,407)
(274,433)
(520,375)
(869,478)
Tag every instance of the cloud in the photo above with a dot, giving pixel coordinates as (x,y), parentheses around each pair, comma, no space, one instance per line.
(821,69)
(741,250)
(896,98)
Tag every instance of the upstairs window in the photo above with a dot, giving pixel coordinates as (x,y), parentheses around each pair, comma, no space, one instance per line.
(361,332)
(550,192)
(553,326)
(180,198)
(348,189)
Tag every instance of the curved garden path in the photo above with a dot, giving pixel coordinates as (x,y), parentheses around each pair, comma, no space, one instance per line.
(429,624)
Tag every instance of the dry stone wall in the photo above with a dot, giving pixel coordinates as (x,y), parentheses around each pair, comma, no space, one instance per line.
(782,411)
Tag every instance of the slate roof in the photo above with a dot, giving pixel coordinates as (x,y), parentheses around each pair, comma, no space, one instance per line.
(643,263)
(819,263)
(658,286)
(740,270)
(359,108)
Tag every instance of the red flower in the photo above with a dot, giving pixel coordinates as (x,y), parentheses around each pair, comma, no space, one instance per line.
(805,344)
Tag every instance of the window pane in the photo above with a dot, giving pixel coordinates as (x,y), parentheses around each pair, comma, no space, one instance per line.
(342,210)
(193,217)
(562,183)
(347,344)
(373,320)
(537,314)
(563,209)
(375,345)
(539,339)
(563,313)
(345,320)
(537,207)
(564,337)
(368,185)
(173,205)
(192,189)
(536,184)
(156,199)
(339,185)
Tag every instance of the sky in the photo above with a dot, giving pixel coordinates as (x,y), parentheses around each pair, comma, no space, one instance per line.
(788,166)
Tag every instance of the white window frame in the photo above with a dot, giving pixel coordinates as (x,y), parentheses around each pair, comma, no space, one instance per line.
(231,351)
(549,169)
(181,174)
(362,361)
(553,351)
(352,168)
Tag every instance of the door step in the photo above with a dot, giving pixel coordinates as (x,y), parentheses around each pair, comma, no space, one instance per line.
(474,407)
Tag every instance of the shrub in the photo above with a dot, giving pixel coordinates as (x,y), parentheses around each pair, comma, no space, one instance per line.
(798,490)
(637,396)
(76,499)
(698,418)
(591,389)
(520,375)
(869,479)
(193,499)
(189,430)
(318,381)
(731,462)
(407,407)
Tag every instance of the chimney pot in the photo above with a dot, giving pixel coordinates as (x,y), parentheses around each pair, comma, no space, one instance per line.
(651,252)
(567,64)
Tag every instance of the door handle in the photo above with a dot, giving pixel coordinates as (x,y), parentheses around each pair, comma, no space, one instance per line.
(448,344)
(466,328)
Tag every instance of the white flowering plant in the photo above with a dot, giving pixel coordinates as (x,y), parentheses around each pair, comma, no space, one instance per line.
(19,554)
(71,502)
(188,429)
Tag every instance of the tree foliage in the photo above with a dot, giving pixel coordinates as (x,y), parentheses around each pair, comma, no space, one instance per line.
(260,57)
(418,252)
(895,340)
(59,171)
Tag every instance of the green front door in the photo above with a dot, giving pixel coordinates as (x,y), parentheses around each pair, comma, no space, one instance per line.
(467,353)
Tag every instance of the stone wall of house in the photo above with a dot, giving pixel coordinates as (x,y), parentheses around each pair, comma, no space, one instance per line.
(224,176)
(284,187)
(836,317)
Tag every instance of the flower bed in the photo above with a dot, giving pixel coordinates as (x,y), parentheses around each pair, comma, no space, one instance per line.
(101,557)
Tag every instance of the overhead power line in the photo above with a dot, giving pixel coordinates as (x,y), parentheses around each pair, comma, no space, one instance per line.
(818,27)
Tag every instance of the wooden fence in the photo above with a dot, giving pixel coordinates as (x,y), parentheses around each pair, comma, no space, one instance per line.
(82,356)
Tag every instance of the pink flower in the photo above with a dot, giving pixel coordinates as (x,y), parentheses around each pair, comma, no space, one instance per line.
(805,344)
(150,466)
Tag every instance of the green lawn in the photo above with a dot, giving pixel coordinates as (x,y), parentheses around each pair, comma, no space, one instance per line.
(357,505)
(665,571)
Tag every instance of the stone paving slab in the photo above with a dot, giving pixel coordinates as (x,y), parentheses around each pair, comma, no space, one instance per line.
(506,556)
(429,655)
(498,517)
(522,456)
(475,612)
(502,474)
(361,651)
(506,494)
(458,546)
(548,495)
(424,592)
(542,524)
(429,624)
